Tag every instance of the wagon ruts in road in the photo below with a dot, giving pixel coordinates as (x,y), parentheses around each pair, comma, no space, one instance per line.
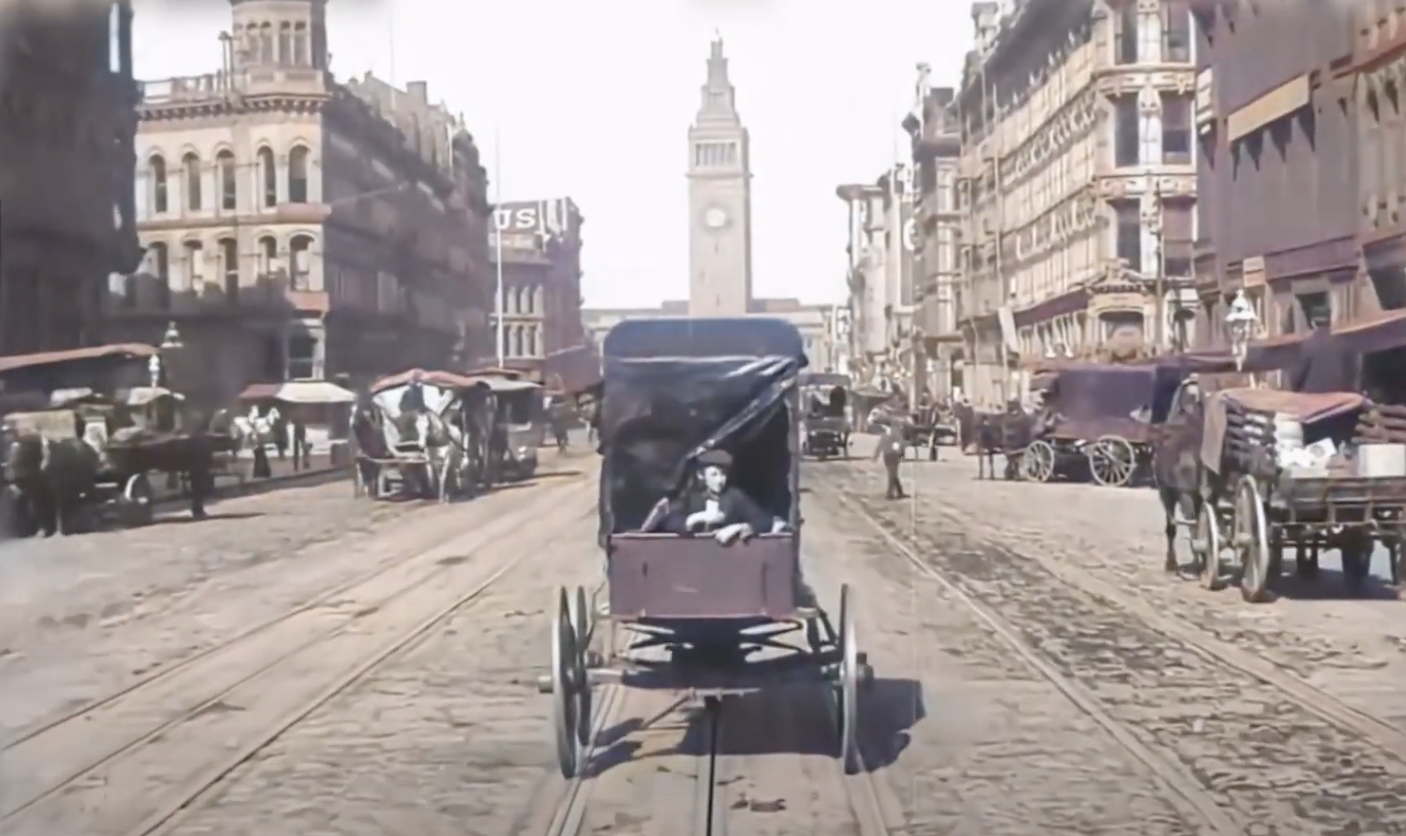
(712,613)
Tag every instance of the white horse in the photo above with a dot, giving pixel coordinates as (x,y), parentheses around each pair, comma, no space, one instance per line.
(427,433)
(258,431)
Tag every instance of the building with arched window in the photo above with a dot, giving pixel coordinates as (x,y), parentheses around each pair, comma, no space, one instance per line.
(66,161)
(311,227)
(541,246)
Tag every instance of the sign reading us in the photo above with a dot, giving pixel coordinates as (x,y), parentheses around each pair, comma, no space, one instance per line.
(519,217)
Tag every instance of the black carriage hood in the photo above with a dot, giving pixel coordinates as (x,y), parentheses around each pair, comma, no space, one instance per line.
(673,389)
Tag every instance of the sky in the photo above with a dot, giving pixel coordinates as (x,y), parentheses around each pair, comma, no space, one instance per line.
(592,99)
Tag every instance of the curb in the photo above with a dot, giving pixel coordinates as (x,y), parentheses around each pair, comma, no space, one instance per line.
(255,487)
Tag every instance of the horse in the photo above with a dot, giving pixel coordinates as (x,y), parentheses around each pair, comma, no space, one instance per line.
(989,433)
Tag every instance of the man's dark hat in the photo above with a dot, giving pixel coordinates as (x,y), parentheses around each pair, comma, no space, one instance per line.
(715,458)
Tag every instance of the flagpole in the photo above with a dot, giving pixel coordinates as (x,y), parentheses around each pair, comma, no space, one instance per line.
(501,332)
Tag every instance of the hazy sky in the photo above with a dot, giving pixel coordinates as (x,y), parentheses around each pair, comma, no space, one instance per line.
(593,99)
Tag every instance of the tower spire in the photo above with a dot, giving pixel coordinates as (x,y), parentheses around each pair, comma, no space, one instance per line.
(718,100)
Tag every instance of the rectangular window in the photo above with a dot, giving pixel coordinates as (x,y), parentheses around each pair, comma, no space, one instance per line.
(1176,130)
(1176,31)
(1125,132)
(1130,235)
(1125,35)
(1150,140)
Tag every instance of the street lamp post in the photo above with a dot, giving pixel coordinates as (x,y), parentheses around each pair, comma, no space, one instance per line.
(500,331)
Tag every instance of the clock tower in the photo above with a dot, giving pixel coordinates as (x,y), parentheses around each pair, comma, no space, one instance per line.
(719,200)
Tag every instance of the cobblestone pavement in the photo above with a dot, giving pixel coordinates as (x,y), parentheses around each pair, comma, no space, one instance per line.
(1182,710)
(81,616)
(331,615)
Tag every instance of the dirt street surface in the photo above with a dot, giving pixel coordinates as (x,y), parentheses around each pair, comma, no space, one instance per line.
(371,672)
(1067,682)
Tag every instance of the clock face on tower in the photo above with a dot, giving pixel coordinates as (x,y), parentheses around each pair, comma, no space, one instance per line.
(715,218)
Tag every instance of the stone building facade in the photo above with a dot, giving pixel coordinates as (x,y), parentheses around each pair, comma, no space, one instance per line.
(1077,184)
(936,145)
(1302,163)
(67,127)
(297,227)
(541,246)
(883,275)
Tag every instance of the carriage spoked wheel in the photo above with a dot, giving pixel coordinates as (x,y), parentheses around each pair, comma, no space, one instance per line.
(1206,545)
(1112,461)
(138,499)
(1251,541)
(565,700)
(581,631)
(847,682)
(1037,463)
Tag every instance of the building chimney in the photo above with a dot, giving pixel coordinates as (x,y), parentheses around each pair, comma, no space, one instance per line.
(419,91)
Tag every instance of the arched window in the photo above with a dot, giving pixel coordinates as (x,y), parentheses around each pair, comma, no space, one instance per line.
(532,341)
(298,175)
(156,167)
(229,268)
(159,259)
(300,262)
(539,300)
(268,174)
(285,43)
(265,50)
(517,341)
(300,44)
(268,256)
(194,265)
(229,181)
(191,165)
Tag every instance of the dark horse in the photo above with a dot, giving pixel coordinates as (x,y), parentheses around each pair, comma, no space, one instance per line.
(989,433)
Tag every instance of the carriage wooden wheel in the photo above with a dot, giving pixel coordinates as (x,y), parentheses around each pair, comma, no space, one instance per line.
(566,685)
(1250,539)
(1206,545)
(1037,463)
(1112,461)
(138,500)
(847,682)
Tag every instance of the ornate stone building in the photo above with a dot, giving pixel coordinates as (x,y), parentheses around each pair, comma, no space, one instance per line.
(298,227)
(936,147)
(67,123)
(1077,183)
(719,199)
(541,245)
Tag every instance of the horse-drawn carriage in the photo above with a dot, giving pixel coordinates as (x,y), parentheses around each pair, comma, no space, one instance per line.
(1247,473)
(424,433)
(696,614)
(1098,420)
(825,400)
(89,457)
(519,425)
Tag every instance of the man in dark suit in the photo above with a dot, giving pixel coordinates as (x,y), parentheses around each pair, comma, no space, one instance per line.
(714,506)
(1323,365)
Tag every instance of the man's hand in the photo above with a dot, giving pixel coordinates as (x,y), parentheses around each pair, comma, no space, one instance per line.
(708,516)
(732,533)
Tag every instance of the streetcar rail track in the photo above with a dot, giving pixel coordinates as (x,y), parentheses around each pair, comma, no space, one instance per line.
(177,805)
(1172,778)
(423,541)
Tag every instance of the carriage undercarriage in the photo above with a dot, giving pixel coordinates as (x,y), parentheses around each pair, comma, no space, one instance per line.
(1110,460)
(703,659)
(1242,535)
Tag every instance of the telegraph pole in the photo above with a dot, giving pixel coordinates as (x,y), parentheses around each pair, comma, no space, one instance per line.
(500,331)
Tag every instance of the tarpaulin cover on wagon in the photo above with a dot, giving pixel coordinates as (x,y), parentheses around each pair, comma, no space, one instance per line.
(1096,399)
(674,388)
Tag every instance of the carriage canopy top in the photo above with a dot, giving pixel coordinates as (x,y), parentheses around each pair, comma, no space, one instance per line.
(441,379)
(299,392)
(825,379)
(1097,399)
(674,388)
(1307,408)
(116,350)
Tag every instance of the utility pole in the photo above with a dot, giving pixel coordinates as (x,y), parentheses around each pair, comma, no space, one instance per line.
(501,332)
(1160,279)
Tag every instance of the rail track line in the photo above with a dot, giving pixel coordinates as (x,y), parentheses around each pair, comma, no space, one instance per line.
(1104,648)
(405,551)
(1172,778)
(344,645)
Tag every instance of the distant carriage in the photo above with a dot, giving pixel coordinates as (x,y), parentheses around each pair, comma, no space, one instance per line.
(519,425)
(424,433)
(825,423)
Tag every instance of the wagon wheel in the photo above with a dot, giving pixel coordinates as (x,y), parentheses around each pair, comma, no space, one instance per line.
(138,500)
(1112,461)
(1397,559)
(847,685)
(564,698)
(1037,463)
(1251,541)
(581,631)
(1206,544)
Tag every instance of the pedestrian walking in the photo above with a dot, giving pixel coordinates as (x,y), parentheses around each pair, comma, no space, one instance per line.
(892,447)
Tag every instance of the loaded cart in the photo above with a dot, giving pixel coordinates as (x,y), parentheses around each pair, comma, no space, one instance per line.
(1293,470)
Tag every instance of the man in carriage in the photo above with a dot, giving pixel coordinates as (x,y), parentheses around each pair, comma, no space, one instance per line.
(713,506)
